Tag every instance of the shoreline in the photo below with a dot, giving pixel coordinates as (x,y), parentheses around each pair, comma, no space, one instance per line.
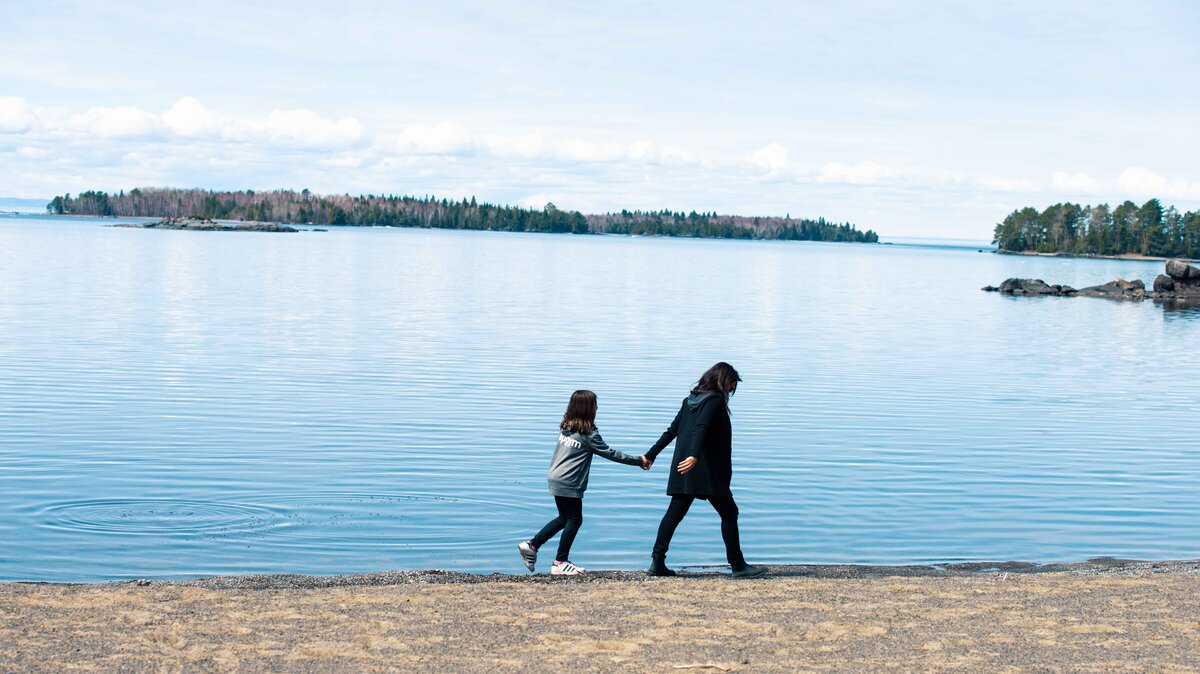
(285,581)
(1103,615)
(311,227)
(1128,257)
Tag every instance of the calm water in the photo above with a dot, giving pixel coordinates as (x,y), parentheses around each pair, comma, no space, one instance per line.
(191,403)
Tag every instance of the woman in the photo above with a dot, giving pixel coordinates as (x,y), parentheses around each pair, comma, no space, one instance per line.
(702,467)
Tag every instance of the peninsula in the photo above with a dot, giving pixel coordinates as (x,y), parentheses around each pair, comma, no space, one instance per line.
(304,207)
(1129,230)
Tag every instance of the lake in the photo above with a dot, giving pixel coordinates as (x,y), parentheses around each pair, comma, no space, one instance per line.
(177,404)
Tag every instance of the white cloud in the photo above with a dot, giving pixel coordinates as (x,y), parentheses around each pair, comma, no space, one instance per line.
(440,138)
(1079,183)
(1142,182)
(534,201)
(862,173)
(586,151)
(676,155)
(771,158)
(15,115)
(1004,184)
(527,146)
(190,119)
(118,122)
(304,128)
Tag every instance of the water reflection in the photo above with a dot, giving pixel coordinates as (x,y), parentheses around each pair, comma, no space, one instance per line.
(187,403)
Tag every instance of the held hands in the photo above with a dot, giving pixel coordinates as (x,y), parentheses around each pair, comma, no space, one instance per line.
(686,465)
(646,463)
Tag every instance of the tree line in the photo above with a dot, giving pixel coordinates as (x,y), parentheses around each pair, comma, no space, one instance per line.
(1148,229)
(304,207)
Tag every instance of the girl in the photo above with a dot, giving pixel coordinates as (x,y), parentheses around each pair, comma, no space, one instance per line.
(578,440)
(702,467)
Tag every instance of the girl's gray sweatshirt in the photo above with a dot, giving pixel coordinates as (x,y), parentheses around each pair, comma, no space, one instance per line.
(572,462)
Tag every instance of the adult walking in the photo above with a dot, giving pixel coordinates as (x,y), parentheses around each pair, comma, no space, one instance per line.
(702,467)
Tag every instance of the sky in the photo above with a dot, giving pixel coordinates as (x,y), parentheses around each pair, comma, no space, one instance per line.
(929,119)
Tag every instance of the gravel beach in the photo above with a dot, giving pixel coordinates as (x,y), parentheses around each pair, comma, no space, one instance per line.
(1103,615)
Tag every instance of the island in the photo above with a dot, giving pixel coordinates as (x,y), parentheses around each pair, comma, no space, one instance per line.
(202,224)
(304,207)
(1180,283)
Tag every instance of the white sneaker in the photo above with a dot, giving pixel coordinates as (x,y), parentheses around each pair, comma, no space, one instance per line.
(566,569)
(528,554)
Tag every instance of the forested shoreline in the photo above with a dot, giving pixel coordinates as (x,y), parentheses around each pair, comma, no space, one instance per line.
(304,207)
(1128,229)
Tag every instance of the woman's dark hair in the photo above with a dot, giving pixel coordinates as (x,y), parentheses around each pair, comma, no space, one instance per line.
(720,378)
(580,416)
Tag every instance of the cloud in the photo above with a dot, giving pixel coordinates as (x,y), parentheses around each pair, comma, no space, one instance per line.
(306,129)
(1138,181)
(534,201)
(1078,183)
(119,122)
(524,146)
(771,158)
(189,118)
(862,173)
(15,115)
(437,139)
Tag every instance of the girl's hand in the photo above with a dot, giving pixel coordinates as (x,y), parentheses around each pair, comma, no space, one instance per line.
(646,463)
(686,465)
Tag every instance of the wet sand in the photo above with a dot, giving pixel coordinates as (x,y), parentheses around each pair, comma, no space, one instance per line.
(1102,616)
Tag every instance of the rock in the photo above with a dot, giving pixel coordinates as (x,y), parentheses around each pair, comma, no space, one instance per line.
(1119,289)
(1178,269)
(1030,286)
(1181,283)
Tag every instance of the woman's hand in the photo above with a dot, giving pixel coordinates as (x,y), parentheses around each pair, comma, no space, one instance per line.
(686,465)
(646,463)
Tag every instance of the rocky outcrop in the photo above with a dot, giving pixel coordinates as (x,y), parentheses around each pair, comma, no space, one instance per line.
(1119,289)
(1030,286)
(1181,282)
(207,225)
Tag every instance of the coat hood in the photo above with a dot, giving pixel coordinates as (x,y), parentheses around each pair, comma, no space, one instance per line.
(694,400)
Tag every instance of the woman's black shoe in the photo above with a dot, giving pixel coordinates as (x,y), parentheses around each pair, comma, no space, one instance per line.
(749,571)
(658,567)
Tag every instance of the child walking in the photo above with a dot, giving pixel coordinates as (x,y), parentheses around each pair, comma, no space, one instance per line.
(578,440)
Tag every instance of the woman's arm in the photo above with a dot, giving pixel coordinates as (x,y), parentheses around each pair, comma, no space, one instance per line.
(601,448)
(666,438)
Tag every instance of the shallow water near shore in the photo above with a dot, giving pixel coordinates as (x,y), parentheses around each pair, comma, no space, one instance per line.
(179,404)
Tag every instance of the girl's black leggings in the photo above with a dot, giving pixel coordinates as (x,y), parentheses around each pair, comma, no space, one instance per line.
(570,517)
(725,506)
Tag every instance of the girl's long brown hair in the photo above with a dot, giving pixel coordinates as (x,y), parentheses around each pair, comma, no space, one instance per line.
(720,378)
(580,416)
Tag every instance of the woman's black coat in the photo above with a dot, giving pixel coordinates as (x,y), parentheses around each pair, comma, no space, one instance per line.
(703,431)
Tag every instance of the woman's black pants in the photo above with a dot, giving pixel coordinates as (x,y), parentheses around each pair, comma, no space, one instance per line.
(725,507)
(570,517)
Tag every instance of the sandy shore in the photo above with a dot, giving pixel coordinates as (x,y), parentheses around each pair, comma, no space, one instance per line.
(1103,616)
